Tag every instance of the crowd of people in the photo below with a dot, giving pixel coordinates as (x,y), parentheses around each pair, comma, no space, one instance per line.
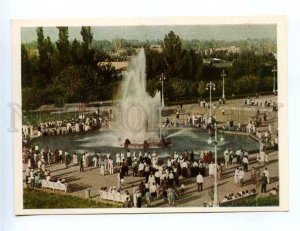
(160,178)
(67,126)
(260,102)
(239,195)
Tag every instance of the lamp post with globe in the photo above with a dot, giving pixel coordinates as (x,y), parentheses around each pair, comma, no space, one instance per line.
(162,79)
(223,85)
(215,142)
(210,86)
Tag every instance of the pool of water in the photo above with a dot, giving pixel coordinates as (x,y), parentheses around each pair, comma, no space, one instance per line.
(182,139)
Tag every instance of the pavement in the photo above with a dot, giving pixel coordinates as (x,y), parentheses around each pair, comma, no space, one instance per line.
(91,179)
(234,110)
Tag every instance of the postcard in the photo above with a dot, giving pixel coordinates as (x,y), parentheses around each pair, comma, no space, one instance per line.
(150,115)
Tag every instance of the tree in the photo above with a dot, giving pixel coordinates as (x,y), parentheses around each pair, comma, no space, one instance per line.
(75,52)
(155,64)
(26,69)
(172,52)
(87,51)
(46,52)
(201,88)
(63,47)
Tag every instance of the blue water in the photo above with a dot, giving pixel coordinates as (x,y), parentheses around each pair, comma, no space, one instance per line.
(187,139)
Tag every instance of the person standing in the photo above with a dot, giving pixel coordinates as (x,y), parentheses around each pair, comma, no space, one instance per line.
(264,182)
(245,163)
(266,172)
(75,159)
(110,166)
(199,180)
(81,168)
(102,170)
(241,177)
(135,191)
(253,175)
(226,157)
(139,198)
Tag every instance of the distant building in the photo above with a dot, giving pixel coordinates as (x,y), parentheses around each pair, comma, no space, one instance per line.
(157,48)
(120,67)
(216,62)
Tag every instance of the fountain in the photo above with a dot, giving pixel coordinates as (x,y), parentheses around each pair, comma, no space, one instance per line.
(138,123)
(138,120)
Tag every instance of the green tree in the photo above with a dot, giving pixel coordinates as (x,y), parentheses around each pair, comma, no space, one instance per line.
(26,69)
(87,51)
(172,52)
(75,52)
(46,52)
(63,47)
(201,88)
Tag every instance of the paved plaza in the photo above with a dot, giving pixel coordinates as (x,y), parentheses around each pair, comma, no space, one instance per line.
(234,110)
(91,179)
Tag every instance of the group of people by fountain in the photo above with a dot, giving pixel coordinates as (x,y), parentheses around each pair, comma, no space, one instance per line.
(35,170)
(197,120)
(67,126)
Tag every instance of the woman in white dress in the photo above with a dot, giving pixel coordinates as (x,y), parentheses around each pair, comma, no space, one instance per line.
(102,172)
(236,175)
(75,159)
(211,169)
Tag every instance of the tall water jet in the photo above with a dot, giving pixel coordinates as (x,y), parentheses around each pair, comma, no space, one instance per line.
(138,117)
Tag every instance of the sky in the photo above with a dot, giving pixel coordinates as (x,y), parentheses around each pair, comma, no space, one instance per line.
(142,33)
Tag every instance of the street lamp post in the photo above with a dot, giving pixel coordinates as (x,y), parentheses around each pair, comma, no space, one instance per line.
(162,79)
(210,86)
(223,75)
(215,142)
(274,82)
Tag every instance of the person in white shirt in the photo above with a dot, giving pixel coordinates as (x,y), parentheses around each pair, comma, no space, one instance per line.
(122,156)
(134,193)
(226,157)
(110,166)
(245,163)
(141,169)
(175,155)
(241,177)
(199,180)
(95,160)
(266,172)
(169,163)
(75,159)
(211,169)
(238,154)
(39,164)
(151,179)
(157,177)
(236,175)
(102,170)
(133,156)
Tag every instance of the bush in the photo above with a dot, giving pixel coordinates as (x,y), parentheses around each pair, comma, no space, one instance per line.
(256,202)
(37,199)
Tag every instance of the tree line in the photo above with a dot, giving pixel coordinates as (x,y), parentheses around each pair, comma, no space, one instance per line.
(67,71)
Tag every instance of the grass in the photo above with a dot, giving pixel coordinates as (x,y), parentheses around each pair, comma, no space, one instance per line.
(38,199)
(256,202)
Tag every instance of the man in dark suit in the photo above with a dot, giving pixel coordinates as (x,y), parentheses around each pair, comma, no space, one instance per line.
(264,182)
(81,169)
